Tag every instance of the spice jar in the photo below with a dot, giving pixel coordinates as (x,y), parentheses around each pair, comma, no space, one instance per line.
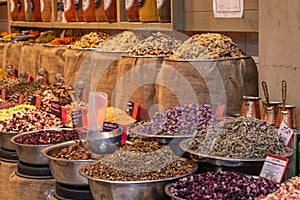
(36,10)
(250,107)
(28,10)
(14,10)
(148,10)
(88,7)
(270,112)
(21,10)
(79,11)
(164,10)
(99,11)
(69,10)
(60,10)
(286,114)
(110,9)
(46,10)
(132,10)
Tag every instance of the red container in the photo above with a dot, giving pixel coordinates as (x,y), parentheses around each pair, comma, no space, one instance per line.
(110,9)
(36,10)
(14,10)
(132,10)
(88,7)
(69,9)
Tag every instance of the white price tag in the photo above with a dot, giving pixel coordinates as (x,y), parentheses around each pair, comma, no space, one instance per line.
(274,168)
(286,132)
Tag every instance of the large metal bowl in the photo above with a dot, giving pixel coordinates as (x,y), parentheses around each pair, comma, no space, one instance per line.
(65,171)
(250,166)
(29,153)
(5,141)
(128,190)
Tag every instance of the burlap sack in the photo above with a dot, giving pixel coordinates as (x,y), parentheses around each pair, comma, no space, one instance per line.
(206,82)
(30,60)
(2,47)
(73,62)
(53,61)
(136,82)
(12,54)
(6,169)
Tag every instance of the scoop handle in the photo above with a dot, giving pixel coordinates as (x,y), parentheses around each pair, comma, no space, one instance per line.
(236,87)
(284,89)
(266,92)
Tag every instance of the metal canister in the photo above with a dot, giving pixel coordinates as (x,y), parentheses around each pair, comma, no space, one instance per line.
(269,112)
(250,107)
(288,115)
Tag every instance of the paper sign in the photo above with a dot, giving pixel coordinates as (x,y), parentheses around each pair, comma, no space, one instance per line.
(286,132)
(228,8)
(274,168)
(220,111)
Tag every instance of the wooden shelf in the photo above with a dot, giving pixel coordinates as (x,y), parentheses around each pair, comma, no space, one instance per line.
(93,25)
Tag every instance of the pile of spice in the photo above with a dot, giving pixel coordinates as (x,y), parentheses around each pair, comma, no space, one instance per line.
(8,82)
(241,137)
(132,165)
(289,190)
(29,120)
(222,185)
(124,41)
(91,40)
(207,46)
(6,105)
(44,37)
(47,137)
(77,151)
(158,44)
(26,89)
(116,115)
(183,120)
(3,74)
(64,41)
(10,111)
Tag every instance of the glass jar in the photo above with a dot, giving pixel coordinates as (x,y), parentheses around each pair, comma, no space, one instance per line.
(132,10)
(164,10)
(79,11)
(46,10)
(69,10)
(110,9)
(28,10)
(21,10)
(88,7)
(148,10)
(36,10)
(14,10)
(99,11)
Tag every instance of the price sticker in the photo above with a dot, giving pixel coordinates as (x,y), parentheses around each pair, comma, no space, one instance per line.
(274,168)
(220,111)
(286,132)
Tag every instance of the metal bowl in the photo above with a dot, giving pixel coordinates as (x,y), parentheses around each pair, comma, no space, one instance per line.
(167,191)
(29,153)
(172,141)
(103,142)
(65,171)
(250,166)
(5,141)
(128,190)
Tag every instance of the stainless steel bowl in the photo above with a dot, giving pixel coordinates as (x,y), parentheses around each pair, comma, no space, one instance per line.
(29,153)
(128,190)
(5,141)
(65,171)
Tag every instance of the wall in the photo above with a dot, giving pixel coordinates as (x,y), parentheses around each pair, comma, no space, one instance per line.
(3,18)
(279,48)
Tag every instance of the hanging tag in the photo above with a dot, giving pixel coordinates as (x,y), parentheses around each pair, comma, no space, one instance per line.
(274,168)
(220,111)
(286,132)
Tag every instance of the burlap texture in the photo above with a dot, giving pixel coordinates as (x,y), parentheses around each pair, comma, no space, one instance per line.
(12,54)
(30,60)
(136,82)
(73,61)
(6,169)
(206,82)
(2,47)
(53,61)
(25,188)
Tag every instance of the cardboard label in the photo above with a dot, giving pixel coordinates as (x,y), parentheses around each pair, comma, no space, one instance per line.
(132,109)
(3,94)
(286,132)
(274,168)
(220,111)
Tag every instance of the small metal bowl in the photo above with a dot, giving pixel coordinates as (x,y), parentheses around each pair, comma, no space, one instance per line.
(5,141)
(65,171)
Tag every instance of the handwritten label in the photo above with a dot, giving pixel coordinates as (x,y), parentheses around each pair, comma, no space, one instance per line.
(220,111)
(274,168)
(286,132)
(132,109)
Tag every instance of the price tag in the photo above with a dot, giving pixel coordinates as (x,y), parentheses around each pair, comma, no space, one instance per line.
(286,132)
(132,109)
(274,168)
(38,102)
(30,78)
(108,126)
(3,94)
(56,110)
(78,119)
(18,98)
(220,111)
